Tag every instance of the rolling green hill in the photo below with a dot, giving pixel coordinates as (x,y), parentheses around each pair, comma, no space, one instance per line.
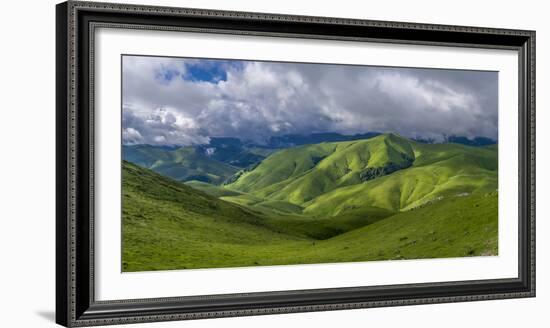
(388,171)
(454,227)
(381,198)
(300,174)
(439,171)
(287,217)
(169,225)
(212,190)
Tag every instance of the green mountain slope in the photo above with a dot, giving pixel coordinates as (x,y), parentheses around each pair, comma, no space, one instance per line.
(169,225)
(183,164)
(300,174)
(378,199)
(387,171)
(212,190)
(282,165)
(439,171)
(454,227)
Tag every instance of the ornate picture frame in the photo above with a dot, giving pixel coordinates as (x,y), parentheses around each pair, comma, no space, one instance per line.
(77,23)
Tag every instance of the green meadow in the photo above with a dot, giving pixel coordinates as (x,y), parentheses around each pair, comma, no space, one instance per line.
(383,198)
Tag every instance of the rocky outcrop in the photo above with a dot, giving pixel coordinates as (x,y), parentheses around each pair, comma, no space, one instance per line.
(375,172)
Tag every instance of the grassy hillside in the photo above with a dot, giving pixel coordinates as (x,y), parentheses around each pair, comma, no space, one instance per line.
(378,199)
(212,190)
(182,164)
(168,225)
(453,227)
(387,171)
(283,165)
(439,171)
(289,217)
(300,174)
(322,227)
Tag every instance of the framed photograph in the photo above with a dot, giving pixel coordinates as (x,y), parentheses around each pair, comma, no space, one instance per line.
(215,164)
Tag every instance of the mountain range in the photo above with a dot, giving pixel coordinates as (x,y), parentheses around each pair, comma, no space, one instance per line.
(218,161)
(374,198)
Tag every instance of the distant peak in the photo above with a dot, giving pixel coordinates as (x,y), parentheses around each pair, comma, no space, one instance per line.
(392,136)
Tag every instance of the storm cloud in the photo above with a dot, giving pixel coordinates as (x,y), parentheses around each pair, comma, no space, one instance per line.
(178,101)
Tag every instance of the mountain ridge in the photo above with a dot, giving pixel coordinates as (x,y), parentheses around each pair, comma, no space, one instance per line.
(182,164)
(345,174)
(168,225)
(218,161)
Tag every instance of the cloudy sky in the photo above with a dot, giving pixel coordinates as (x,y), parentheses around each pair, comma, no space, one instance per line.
(179,101)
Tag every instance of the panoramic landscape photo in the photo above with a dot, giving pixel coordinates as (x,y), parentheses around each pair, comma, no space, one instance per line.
(233,163)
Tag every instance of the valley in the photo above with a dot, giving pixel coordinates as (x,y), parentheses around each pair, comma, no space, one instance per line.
(340,199)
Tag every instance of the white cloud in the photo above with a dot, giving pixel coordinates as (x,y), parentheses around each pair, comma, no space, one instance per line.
(131,136)
(261,99)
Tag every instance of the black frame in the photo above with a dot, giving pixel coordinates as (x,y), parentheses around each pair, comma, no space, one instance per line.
(75,303)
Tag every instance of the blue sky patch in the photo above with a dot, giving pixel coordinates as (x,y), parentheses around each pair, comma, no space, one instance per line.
(212,71)
(206,71)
